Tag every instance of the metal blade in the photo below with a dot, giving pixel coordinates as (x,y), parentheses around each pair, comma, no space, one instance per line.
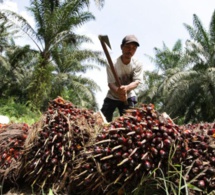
(105,39)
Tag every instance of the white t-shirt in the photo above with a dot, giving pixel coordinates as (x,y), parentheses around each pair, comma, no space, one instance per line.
(126,73)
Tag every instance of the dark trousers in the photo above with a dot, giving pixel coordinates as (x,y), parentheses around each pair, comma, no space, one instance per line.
(110,105)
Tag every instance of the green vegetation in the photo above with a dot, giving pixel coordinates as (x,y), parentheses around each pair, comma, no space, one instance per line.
(57,66)
(183,84)
(19,113)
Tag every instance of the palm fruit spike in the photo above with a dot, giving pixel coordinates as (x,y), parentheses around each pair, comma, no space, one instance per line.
(63,133)
(12,139)
(132,143)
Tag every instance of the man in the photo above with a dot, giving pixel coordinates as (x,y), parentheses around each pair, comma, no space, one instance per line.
(129,71)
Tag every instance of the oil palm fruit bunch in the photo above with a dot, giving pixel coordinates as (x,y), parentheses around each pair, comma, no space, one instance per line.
(54,143)
(125,150)
(12,139)
(199,166)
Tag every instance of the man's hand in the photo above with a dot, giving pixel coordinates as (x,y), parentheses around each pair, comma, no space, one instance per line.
(122,93)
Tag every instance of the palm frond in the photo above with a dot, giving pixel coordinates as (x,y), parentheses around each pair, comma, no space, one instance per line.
(86,91)
(201,34)
(22,24)
(212,29)
(191,31)
(175,77)
(177,46)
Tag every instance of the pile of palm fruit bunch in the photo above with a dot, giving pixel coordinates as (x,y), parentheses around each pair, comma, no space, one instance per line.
(74,151)
(199,166)
(53,144)
(129,148)
(12,139)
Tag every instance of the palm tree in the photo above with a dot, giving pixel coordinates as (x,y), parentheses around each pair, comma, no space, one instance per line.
(70,65)
(56,3)
(54,23)
(14,64)
(194,94)
(149,91)
(17,69)
(188,88)
(169,65)
(3,33)
(201,49)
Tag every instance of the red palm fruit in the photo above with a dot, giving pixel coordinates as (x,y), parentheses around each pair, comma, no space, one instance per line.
(140,143)
(212,184)
(198,162)
(97,150)
(184,155)
(11,150)
(116,124)
(167,142)
(86,166)
(125,148)
(211,131)
(165,135)
(162,128)
(4,156)
(212,160)
(195,153)
(154,151)
(195,170)
(129,142)
(136,156)
(54,161)
(117,154)
(159,146)
(147,165)
(130,150)
(162,153)
(125,155)
(107,150)
(149,122)
(114,136)
(8,159)
(201,184)
(143,135)
(122,140)
(149,134)
(138,118)
(125,170)
(139,130)
(68,154)
(170,130)
(137,137)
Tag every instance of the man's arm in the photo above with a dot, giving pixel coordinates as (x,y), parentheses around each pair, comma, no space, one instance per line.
(123,90)
(119,91)
(131,86)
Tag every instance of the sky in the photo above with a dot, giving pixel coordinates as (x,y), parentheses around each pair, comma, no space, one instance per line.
(153,22)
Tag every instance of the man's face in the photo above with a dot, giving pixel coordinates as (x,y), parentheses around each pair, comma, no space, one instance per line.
(128,50)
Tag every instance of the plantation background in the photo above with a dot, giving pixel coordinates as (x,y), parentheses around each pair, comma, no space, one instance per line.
(182,84)
(70,66)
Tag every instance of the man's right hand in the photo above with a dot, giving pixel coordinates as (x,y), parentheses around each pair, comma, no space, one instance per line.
(122,93)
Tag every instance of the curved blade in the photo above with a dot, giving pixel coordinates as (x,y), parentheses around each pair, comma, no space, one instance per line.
(105,39)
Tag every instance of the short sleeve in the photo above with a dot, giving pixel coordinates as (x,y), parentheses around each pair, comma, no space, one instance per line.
(138,72)
(110,76)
